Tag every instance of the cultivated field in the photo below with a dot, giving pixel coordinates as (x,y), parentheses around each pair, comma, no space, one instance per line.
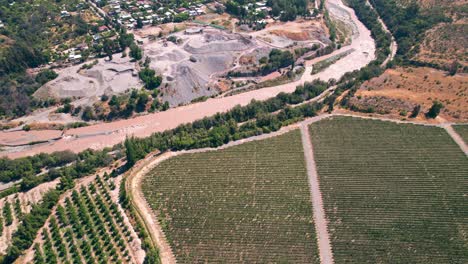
(88,227)
(462,130)
(244,204)
(393,193)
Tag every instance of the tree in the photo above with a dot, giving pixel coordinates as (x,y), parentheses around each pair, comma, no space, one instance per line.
(453,68)
(7,213)
(108,47)
(88,114)
(143,99)
(66,182)
(135,52)
(139,23)
(148,76)
(434,110)
(415,111)
(45,75)
(132,151)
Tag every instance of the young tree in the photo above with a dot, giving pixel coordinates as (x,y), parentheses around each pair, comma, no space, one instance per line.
(7,213)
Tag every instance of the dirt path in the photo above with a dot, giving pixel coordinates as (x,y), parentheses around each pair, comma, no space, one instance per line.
(150,220)
(108,134)
(456,137)
(320,221)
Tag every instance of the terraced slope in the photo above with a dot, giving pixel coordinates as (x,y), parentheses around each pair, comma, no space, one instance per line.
(244,204)
(462,130)
(393,193)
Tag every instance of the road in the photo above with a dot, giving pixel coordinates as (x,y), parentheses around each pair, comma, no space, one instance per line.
(108,134)
(320,220)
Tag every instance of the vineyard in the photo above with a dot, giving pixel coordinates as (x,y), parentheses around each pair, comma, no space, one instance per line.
(244,204)
(89,227)
(462,130)
(393,193)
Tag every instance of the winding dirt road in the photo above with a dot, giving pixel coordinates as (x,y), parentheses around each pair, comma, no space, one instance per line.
(108,134)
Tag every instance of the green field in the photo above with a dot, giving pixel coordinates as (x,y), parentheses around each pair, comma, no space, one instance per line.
(244,204)
(462,130)
(392,193)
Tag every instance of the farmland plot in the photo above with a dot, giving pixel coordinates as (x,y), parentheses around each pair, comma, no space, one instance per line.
(393,193)
(244,204)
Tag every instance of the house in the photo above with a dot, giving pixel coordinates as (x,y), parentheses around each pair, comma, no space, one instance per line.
(125,16)
(64,13)
(75,57)
(102,28)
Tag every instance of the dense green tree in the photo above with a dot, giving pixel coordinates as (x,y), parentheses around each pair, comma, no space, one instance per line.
(135,52)
(434,110)
(7,213)
(148,76)
(415,111)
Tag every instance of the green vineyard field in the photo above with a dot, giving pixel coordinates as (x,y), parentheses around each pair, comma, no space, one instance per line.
(244,204)
(393,193)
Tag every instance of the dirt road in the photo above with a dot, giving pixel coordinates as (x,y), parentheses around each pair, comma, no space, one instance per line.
(108,134)
(456,137)
(320,220)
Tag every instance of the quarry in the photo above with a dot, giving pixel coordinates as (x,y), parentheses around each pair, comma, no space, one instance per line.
(194,61)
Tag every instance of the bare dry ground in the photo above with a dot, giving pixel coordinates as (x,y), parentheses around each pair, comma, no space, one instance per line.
(403,88)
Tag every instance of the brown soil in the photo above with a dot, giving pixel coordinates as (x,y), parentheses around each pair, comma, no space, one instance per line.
(418,86)
(301,30)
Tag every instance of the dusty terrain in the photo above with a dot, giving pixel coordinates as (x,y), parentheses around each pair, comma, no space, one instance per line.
(193,65)
(188,67)
(107,134)
(106,77)
(401,89)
